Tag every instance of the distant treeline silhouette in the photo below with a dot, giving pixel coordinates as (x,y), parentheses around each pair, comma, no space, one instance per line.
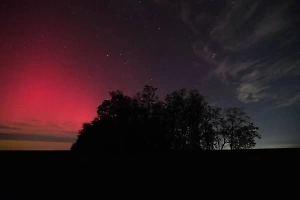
(183,121)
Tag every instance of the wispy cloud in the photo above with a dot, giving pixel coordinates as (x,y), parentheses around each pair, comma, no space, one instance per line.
(5,127)
(251,45)
(248,92)
(35,137)
(44,129)
(288,101)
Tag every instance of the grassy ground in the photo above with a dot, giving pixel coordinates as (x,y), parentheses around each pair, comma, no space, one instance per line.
(59,174)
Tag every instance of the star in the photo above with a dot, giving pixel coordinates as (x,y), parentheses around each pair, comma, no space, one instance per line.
(208,46)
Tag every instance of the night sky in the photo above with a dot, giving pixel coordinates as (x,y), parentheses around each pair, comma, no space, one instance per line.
(59,59)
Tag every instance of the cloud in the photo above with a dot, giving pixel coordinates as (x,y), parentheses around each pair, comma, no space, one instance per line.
(253,46)
(35,137)
(22,124)
(229,32)
(248,92)
(273,21)
(39,127)
(185,13)
(227,68)
(5,127)
(288,101)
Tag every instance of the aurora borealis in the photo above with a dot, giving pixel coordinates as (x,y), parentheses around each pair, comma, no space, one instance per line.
(59,59)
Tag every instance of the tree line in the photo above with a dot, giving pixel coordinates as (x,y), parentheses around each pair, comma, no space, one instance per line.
(182,121)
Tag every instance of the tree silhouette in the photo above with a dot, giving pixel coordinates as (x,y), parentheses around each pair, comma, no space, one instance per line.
(150,120)
(174,118)
(183,121)
(211,128)
(236,130)
(195,118)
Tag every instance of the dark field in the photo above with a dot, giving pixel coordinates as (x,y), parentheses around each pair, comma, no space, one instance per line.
(63,175)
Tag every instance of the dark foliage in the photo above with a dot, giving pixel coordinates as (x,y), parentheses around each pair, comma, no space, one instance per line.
(183,121)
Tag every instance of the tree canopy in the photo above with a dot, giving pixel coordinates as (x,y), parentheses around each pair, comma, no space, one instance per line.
(182,121)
